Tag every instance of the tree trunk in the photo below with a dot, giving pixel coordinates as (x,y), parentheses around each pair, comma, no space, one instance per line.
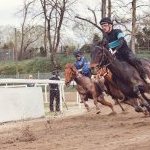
(133,34)
(45,36)
(109,8)
(103,9)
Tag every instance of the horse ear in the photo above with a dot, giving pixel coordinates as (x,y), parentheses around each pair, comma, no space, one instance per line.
(104,42)
(74,68)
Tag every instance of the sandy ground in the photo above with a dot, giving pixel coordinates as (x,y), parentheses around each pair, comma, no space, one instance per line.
(85,131)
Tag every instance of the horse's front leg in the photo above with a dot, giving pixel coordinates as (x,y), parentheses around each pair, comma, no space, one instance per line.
(95,99)
(136,104)
(106,103)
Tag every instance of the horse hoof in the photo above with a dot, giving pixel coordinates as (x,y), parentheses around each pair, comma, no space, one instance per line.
(146,113)
(98,112)
(112,114)
(88,110)
(124,112)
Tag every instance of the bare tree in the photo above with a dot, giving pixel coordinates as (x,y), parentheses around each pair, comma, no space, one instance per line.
(25,12)
(106,11)
(54,13)
(131,23)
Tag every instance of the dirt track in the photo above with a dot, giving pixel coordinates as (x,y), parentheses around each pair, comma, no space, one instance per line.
(128,131)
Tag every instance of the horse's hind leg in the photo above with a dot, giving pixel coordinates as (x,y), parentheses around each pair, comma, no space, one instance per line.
(106,103)
(84,100)
(120,105)
(96,104)
(144,103)
(86,106)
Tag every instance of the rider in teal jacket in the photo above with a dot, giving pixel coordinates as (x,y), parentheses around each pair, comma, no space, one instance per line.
(117,44)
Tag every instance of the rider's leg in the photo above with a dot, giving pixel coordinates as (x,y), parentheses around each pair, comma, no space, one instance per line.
(133,60)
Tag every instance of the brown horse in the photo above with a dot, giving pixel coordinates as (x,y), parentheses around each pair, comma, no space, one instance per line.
(86,88)
(124,75)
(114,91)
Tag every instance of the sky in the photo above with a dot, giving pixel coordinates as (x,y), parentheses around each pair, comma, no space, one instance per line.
(8,9)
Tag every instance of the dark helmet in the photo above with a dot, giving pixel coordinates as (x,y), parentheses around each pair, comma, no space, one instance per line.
(54,72)
(106,20)
(77,53)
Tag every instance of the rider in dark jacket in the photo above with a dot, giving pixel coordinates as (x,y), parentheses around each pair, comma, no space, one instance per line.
(54,93)
(117,44)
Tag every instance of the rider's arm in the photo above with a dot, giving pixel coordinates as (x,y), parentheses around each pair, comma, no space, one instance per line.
(121,39)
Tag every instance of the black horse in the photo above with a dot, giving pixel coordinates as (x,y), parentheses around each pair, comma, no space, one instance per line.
(124,75)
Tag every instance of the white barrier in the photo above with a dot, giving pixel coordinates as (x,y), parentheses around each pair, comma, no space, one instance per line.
(21,103)
(38,82)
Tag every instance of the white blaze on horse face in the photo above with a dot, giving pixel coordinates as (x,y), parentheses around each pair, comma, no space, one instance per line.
(68,76)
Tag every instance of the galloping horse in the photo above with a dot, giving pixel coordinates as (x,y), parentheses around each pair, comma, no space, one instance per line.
(114,91)
(86,88)
(124,75)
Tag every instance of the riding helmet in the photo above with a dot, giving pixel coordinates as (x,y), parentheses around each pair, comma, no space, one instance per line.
(77,53)
(105,20)
(54,72)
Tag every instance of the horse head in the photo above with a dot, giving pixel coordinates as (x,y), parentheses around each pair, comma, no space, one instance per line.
(70,73)
(100,57)
(102,71)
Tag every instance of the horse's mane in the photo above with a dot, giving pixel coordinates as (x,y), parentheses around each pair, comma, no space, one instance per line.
(69,65)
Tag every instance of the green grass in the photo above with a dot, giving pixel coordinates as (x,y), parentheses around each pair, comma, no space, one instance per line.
(43,64)
(144,55)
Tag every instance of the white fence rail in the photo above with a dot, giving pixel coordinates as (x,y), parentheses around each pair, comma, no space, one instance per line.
(13,83)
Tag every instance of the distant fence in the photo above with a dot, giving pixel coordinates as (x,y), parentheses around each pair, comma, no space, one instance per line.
(143,49)
(37,75)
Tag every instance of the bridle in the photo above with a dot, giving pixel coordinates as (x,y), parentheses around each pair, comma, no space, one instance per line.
(102,59)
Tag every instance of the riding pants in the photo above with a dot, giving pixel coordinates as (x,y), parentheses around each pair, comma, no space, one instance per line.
(54,95)
(129,57)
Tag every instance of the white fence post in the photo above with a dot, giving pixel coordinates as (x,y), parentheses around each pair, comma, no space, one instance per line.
(61,106)
(45,93)
(78,99)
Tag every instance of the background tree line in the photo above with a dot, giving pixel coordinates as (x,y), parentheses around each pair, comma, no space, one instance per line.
(45,24)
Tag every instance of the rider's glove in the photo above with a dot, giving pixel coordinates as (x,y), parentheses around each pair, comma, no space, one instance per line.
(112,51)
(80,70)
